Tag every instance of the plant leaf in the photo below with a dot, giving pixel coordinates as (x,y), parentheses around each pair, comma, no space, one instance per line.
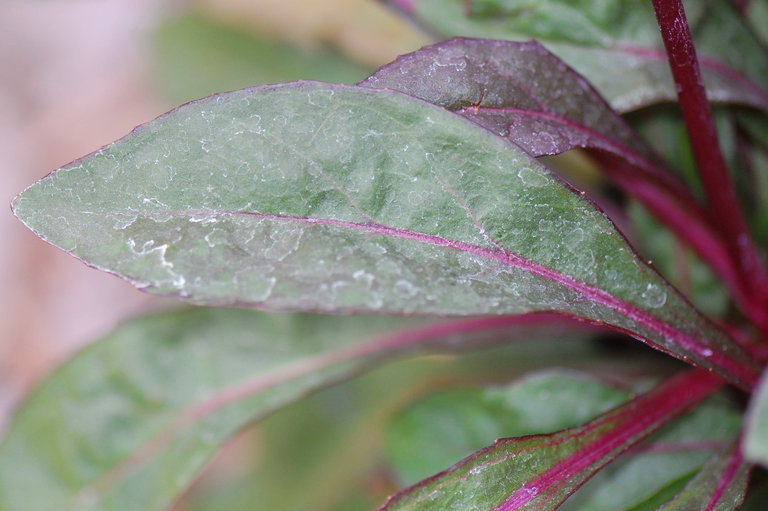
(129,422)
(539,472)
(681,267)
(516,91)
(329,443)
(614,44)
(653,472)
(756,428)
(721,485)
(444,427)
(315,196)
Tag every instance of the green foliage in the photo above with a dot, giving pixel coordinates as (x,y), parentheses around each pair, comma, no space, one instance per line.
(418,192)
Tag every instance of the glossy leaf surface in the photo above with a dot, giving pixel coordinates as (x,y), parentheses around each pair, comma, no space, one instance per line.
(129,422)
(614,44)
(314,196)
(756,435)
(539,472)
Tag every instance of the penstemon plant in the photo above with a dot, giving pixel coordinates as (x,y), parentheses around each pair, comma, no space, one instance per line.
(426,191)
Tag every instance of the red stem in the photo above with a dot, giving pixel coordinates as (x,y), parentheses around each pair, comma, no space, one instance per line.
(726,213)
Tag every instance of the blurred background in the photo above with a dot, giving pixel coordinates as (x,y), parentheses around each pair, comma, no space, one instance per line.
(77,74)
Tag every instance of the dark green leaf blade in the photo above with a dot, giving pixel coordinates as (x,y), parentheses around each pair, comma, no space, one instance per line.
(312,196)
(539,472)
(129,422)
(614,44)
(721,485)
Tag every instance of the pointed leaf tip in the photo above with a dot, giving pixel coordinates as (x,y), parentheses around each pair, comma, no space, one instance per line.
(312,196)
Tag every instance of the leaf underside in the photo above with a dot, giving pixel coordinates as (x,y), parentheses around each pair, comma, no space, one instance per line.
(320,197)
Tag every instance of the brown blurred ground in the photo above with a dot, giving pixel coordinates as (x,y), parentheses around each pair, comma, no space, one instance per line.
(75,75)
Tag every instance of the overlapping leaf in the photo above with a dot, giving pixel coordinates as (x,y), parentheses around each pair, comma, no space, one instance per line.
(656,470)
(720,485)
(539,472)
(523,92)
(614,44)
(130,421)
(314,196)
(517,90)
(438,430)
(446,426)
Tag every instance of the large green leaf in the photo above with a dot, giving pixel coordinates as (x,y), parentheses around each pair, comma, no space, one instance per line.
(314,196)
(615,44)
(680,266)
(756,435)
(539,472)
(130,421)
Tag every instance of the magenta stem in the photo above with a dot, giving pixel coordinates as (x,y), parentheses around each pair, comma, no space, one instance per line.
(726,212)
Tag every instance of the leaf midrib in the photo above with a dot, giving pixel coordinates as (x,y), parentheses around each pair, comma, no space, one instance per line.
(730,366)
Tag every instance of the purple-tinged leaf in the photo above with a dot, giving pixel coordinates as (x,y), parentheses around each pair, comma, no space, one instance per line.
(539,472)
(312,196)
(520,91)
(128,423)
(615,45)
(526,94)
(756,427)
(720,485)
